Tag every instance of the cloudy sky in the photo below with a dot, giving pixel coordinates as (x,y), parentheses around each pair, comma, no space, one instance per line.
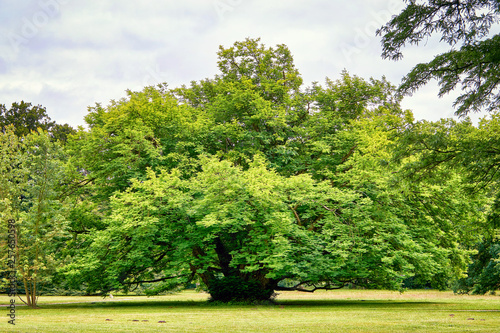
(67,54)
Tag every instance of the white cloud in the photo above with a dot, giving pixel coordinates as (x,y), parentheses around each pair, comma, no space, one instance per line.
(71,54)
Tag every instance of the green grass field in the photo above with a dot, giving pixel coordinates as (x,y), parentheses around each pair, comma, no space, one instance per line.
(333,311)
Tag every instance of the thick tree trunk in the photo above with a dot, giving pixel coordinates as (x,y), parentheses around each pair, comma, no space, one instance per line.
(235,285)
(224,258)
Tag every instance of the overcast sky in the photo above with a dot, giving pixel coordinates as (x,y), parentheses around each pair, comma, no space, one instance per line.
(67,55)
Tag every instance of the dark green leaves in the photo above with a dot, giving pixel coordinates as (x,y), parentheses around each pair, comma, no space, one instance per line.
(466,21)
(475,67)
(474,64)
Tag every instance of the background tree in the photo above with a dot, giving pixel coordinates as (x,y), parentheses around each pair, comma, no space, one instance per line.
(31,182)
(61,133)
(11,176)
(26,118)
(440,149)
(473,60)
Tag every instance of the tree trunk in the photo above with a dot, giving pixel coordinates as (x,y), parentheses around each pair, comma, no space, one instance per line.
(235,285)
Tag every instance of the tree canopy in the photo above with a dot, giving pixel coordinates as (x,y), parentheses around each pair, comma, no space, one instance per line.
(248,183)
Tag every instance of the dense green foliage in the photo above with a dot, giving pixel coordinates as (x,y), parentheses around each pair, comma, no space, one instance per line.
(249,183)
(472,151)
(473,62)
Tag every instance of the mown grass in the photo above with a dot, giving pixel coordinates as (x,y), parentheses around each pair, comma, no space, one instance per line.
(334,311)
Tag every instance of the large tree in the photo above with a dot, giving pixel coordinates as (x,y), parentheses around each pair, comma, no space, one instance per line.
(248,184)
(474,56)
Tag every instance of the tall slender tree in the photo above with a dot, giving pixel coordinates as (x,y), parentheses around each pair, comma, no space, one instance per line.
(30,194)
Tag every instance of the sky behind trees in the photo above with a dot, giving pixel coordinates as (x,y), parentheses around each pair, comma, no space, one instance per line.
(67,55)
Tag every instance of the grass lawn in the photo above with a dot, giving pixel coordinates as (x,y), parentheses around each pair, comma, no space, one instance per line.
(332,311)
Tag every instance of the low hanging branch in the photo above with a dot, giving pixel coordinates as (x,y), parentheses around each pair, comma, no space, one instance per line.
(298,287)
(158,280)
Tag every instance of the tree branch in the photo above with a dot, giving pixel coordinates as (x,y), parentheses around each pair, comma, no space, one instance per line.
(299,222)
(157,280)
(298,287)
(351,151)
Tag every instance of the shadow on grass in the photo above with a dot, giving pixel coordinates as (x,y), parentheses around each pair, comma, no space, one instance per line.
(354,304)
